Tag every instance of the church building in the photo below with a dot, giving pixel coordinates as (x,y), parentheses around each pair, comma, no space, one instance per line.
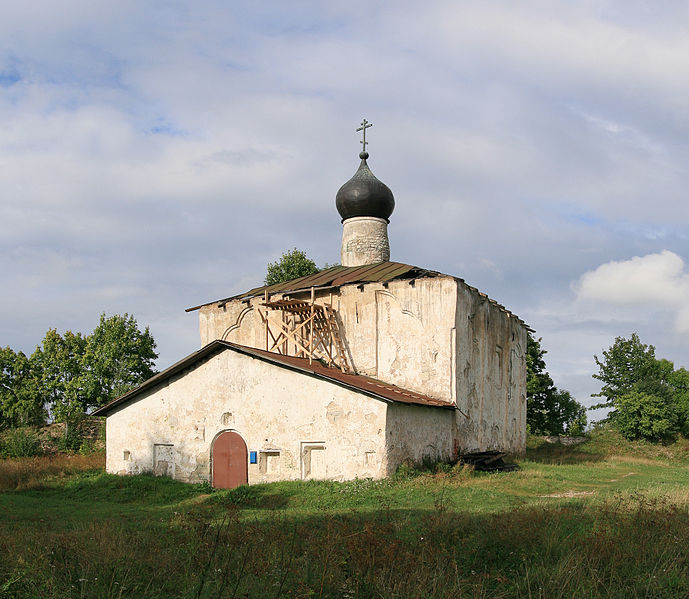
(345,373)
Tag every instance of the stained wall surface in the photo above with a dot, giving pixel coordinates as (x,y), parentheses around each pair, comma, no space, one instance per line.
(401,333)
(491,375)
(416,434)
(436,336)
(300,426)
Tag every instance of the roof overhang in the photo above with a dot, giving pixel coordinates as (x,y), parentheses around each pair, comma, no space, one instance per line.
(361,384)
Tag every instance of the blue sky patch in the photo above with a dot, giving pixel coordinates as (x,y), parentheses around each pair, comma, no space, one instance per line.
(9,78)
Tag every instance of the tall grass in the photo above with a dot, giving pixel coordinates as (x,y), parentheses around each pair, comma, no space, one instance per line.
(631,545)
(446,534)
(39,472)
(606,443)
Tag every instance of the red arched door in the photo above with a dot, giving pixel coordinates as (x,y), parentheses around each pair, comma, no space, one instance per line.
(230,467)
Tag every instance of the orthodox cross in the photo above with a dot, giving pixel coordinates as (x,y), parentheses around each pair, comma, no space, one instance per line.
(364,125)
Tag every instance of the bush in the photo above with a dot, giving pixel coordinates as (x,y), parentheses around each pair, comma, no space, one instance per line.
(73,438)
(645,416)
(20,443)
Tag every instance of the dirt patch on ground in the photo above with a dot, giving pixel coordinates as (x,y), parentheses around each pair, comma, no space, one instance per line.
(570,494)
(614,480)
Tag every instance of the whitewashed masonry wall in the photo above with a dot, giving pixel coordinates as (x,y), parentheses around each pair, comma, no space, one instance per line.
(285,416)
(436,336)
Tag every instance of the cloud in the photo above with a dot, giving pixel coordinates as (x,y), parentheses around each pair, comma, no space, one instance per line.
(655,280)
(154,157)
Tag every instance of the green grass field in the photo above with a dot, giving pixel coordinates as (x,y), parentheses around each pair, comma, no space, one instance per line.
(604,519)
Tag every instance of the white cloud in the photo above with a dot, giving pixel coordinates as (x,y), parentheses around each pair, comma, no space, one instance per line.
(157,156)
(654,280)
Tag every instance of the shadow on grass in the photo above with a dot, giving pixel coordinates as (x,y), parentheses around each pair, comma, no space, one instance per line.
(288,493)
(98,486)
(541,451)
(631,546)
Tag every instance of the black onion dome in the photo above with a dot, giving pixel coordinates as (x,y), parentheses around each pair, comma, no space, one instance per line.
(364,195)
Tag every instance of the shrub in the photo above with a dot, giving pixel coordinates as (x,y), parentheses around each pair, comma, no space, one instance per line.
(645,416)
(20,443)
(71,440)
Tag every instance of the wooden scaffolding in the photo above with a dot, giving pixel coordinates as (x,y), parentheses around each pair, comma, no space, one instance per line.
(309,329)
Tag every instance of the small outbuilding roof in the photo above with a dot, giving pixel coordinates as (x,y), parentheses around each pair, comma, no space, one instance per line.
(363,384)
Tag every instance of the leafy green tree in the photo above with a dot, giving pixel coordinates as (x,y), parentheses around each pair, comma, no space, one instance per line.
(21,403)
(648,398)
(629,365)
(77,373)
(549,410)
(291,265)
(679,384)
(118,356)
(642,415)
(58,363)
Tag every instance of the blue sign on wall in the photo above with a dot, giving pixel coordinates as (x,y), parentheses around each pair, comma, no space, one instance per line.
(252,457)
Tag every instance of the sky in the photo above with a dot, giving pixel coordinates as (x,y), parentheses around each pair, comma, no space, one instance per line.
(155,156)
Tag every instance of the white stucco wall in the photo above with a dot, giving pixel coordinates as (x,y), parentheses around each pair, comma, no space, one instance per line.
(491,375)
(436,336)
(271,407)
(400,333)
(416,433)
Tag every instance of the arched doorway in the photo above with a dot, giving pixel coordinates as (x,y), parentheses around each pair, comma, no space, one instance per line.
(229,455)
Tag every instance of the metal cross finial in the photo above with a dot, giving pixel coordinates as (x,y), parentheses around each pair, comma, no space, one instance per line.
(364,125)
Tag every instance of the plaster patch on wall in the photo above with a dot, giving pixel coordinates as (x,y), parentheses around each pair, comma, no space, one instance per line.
(334,412)
(164,459)
(405,351)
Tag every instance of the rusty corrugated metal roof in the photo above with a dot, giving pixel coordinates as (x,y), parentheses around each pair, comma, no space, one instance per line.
(363,384)
(334,277)
(355,381)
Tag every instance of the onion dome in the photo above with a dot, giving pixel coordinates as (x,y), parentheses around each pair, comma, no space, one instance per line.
(364,195)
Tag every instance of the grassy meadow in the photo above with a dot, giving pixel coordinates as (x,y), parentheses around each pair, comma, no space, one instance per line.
(607,518)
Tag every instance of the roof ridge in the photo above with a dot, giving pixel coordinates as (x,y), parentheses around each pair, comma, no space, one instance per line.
(355,382)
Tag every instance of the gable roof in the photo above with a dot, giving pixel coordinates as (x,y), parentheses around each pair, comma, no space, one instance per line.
(362,384)
(336,276)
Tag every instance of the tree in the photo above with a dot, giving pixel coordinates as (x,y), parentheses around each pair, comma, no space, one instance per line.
(549,410)
(58,364)
(647,397)
(21,403)
(642,415)
(118,356)
(77,373)
(626,366)
(679,384)
(292,264)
